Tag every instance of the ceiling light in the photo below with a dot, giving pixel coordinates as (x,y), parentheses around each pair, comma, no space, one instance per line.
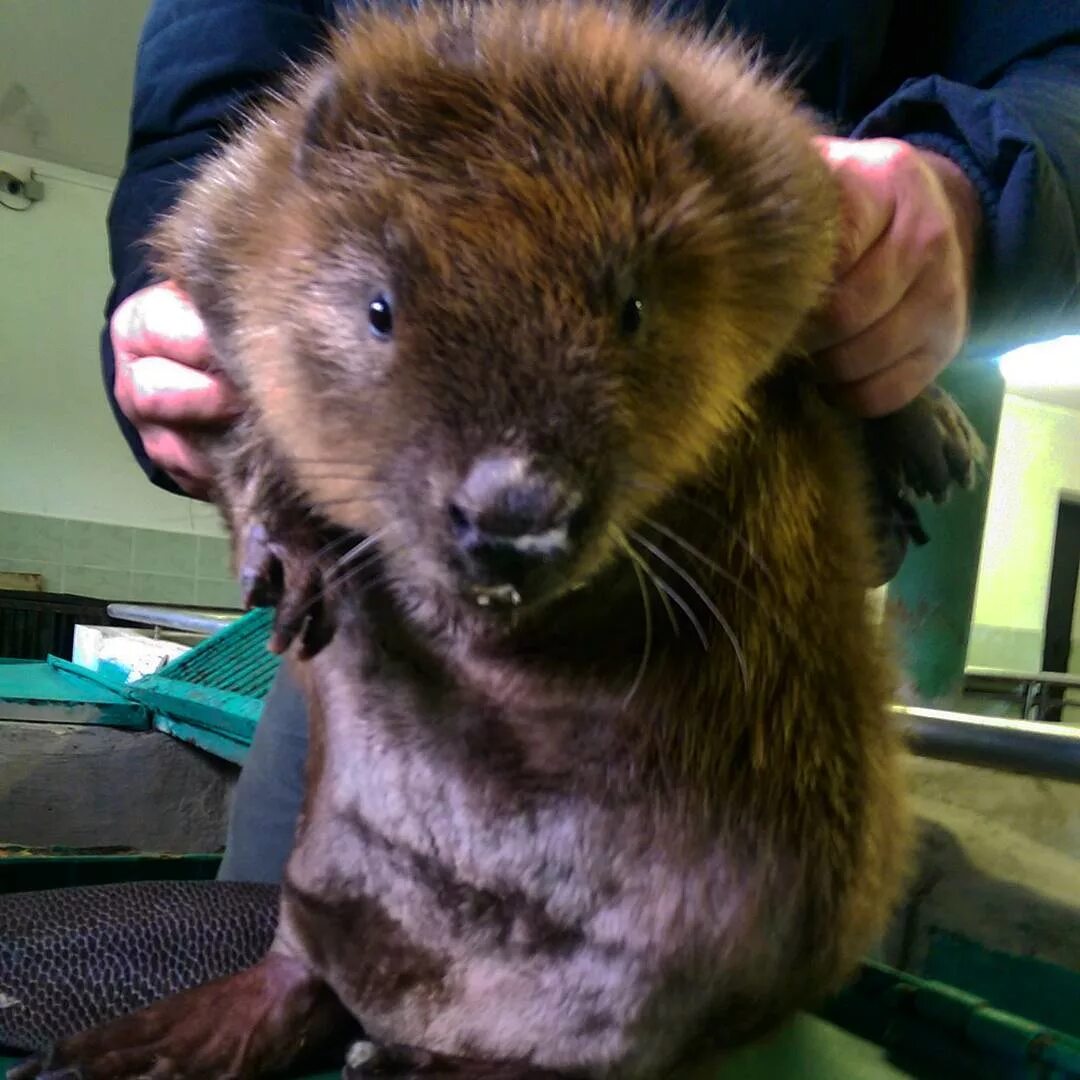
(1053,363)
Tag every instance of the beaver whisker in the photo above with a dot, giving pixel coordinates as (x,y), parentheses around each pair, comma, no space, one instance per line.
(637,562)
(352,573)
(661,585)
(685,574)
(687,610)
(358,549)
(657,581)
(713,515)
(329,546)
(667,590)
(338,580)
(704,597)
(333,578)
(712,564)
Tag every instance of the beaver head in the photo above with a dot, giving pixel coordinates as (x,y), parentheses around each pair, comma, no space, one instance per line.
(495,279)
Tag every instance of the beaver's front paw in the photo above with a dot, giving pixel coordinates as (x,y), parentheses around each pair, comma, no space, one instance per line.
(926,448)
(282,575)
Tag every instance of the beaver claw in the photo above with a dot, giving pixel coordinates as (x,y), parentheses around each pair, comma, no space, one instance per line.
(275,574)
(922,451)
(926,448)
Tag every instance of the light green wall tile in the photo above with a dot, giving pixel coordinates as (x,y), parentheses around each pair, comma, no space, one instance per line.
(90,543)
(28,536)
(164,553)
(224,594)
(162,588)
(213,559)
(1005,647)
(97,582)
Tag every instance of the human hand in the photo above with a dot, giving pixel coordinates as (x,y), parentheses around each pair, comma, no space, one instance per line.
(899,309)
(163,384)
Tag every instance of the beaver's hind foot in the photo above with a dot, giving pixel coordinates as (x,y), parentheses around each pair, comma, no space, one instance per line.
(261,1020)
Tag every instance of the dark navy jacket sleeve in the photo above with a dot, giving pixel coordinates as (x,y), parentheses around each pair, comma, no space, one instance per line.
(199,62)
(1013,126)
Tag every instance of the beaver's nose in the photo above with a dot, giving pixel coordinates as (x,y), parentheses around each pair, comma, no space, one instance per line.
(508,516)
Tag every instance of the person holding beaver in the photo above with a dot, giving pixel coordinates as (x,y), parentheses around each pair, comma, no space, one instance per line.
(958,160)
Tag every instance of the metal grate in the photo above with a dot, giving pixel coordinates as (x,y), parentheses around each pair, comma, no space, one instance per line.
(36,625)
(234,659)
(212,695)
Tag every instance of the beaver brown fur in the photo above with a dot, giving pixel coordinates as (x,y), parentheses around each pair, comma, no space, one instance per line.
(569,554)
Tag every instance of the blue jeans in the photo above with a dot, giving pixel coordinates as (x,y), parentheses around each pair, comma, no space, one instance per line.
(269,794)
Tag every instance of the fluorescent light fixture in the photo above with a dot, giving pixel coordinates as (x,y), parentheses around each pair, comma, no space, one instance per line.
(1047,364)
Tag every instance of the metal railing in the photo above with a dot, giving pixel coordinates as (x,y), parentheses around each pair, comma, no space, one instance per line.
(1048,750)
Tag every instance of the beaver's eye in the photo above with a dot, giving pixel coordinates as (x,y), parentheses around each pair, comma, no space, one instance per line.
(381,317)
(630,319)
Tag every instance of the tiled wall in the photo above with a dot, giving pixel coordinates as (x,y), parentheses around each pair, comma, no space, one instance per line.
(115,562)
(1005,647)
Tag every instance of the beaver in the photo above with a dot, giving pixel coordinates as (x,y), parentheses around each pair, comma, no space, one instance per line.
(568,552)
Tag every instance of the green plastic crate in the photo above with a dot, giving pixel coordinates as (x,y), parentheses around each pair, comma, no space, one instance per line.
(28,869)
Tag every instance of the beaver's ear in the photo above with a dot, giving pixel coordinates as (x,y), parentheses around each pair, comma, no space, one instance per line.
(456,46)
(661,98)
(322,112)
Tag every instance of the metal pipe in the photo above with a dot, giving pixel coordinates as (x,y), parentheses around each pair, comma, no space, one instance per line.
(197,622)
(1049,751)
(1050,678)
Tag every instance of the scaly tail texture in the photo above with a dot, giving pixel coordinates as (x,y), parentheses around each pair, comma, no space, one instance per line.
(73,958)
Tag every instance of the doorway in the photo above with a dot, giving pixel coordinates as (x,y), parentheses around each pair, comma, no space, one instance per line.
(1062,627)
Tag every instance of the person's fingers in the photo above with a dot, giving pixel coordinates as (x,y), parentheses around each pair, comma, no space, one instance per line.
(926,319)
(171,451)
(163,383)
(160,320)
(864,296)
(867,204)
(889,389)
(156,389)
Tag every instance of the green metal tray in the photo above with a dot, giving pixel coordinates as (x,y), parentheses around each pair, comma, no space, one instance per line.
(212,695)
(58,691)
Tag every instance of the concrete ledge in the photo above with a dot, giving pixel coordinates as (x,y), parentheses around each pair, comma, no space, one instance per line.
(90,786)
(998,863)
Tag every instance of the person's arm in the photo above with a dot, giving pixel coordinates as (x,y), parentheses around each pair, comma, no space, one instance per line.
(1011,123)
(962,199)
(199,62)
